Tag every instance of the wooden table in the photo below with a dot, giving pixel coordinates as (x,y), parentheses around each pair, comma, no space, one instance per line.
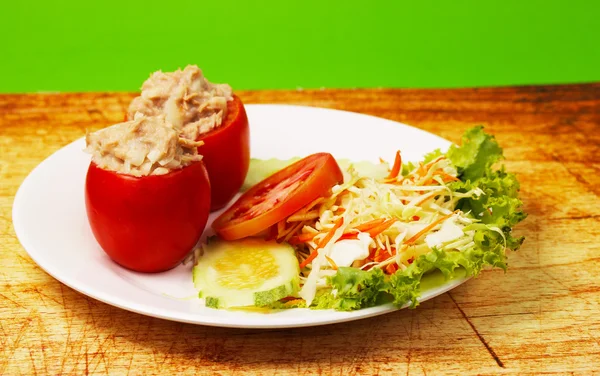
(542,316)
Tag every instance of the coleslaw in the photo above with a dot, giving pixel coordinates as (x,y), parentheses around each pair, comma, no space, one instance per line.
(373,239)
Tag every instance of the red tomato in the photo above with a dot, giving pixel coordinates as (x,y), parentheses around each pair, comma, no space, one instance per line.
(226,152)
(279,196)
(150,223)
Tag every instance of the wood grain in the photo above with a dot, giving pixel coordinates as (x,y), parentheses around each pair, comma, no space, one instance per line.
(542,316)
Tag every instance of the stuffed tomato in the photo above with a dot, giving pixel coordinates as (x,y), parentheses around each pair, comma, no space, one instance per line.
(147,194)
(201,110)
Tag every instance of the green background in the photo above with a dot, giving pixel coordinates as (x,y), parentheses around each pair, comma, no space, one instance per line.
(113,45)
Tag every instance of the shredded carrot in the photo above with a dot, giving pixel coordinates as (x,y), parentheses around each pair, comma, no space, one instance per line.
(371,256)
(363,227)
(421,170)
(396,167)
(391,268)
(381,228)
(382,255)
(429,181)
(446,177)
(323,242)
(424,200)
(370,224)
(303,238)
(349,236)
(310,258)
(331,232)
(416,236)
(377,256)
(332,263)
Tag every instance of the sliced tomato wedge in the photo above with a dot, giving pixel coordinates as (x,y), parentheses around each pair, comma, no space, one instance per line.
(279,196)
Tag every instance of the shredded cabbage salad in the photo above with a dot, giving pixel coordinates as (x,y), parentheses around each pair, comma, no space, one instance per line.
(373,238)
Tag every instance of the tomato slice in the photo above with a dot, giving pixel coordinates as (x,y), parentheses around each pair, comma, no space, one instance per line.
(279,196)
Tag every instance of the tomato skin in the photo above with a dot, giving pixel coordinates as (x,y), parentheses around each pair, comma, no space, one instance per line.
(279,196)
(150,223)
(226,152)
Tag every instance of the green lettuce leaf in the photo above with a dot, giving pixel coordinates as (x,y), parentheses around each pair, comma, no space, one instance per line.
(358,289)
(488,250)
(355,288)
(405,285)
(324,300)
(499,206)
(475,157)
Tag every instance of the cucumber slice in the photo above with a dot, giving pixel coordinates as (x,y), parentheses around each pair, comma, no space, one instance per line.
(247,272)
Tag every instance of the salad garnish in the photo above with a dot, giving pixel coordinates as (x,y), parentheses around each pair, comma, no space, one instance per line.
(371,239)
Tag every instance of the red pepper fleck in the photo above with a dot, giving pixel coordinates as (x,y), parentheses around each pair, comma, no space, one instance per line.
(416,218)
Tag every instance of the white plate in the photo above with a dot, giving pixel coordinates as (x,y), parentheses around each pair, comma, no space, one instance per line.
(50,221)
